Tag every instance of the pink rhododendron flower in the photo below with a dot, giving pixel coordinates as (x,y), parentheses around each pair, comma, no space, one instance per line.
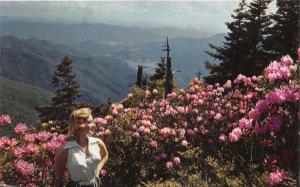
(194,97)
(245,123)
(239,78)
(277,177)
(53,144)
(172,95)
(298,52)
(100,121)
(107,132)
(227,84)
(279,70)
(222,137)
(5,119)
(147,93)
(136,135)
(4,141)
(32,148)
(23,167)
(190,132)
(43,136)
(115,112)
(20,128)
(103,172)
(218,117)
(146,123)
(169,165)
(30,138)
(184,143)
(176,161)
(286,60)
(141,128)
(234,136)
(181,109)
(279,96)
(117,106)
(18,151)
(153,144)
(154,91)
(166,132)
(181,132)
(199,118)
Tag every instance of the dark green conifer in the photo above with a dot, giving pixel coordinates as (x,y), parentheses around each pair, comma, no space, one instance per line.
(232,54)
(243,50)
(284,35)
(160,71)
(66,94)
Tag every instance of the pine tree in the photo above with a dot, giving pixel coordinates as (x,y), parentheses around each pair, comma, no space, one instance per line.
(243,51)
(284,33)
(160,71)
(257,26)
(231,55)
(141,78)
(66,93)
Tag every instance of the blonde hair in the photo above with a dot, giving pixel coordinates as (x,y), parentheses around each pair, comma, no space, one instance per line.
(73,122)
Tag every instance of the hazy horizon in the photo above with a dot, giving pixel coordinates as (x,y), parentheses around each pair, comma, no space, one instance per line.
(206,16)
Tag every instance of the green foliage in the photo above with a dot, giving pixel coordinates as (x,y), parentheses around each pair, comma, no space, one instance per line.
(284,34)
(19,100)
(231,54)
(160,70)
(66,93)
(138,97)
(243,52)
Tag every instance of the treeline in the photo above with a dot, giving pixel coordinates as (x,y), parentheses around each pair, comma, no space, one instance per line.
(255,38)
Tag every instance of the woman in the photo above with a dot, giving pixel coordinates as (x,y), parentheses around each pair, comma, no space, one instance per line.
(82,155)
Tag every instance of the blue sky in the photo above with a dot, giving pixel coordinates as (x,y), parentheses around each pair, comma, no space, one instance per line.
(209,16)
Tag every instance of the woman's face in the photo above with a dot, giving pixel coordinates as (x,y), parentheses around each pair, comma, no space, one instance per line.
(85,126)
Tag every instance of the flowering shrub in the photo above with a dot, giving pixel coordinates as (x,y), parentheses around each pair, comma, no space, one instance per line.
(222,134)
(27,157)
(241,133)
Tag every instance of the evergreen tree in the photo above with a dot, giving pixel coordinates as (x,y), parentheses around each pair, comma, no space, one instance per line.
(141,78)
(284,33)
(257,30)
(160,71)
(232,54)
(243,51)
(66,93)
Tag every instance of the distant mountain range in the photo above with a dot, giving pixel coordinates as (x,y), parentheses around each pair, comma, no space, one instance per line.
(33,62)
(105,56)
(99,33)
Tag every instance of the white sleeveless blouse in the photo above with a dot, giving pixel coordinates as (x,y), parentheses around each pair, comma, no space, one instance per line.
(82,167)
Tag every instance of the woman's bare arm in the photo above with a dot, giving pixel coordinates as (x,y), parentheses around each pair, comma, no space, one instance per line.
(60,165)
(103,153)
